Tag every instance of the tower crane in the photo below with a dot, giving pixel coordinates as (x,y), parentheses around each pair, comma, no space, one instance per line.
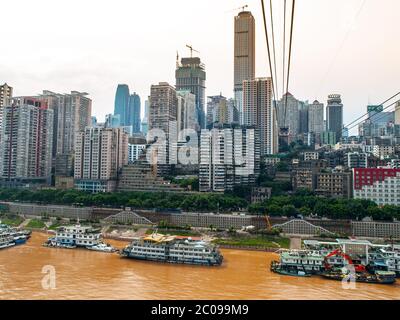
(240,8)
(191,50)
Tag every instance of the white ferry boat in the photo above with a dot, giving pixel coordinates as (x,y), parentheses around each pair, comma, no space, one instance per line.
(102,247)
(386,258)
(6,239)
(299,263)
(173,249)
(10,236)
(75,236)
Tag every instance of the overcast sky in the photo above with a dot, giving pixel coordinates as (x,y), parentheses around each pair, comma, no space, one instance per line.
(350,47)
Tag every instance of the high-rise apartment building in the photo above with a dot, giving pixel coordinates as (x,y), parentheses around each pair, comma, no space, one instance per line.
(229,156)
(113,121)
(74,114)
(397,114)
(99,155)
(5,96)
(163,116)
(334,115)
(379,185)
(217,110)
(186,111)
(190,76)
(244,56)
(145,122)
(289,114)
(136,145)
(6,93)
(316,118)
(303,117)
(26,140)
(356,160)
(258,111)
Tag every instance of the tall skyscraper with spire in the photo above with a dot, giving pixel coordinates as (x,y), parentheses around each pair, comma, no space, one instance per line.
(244,56)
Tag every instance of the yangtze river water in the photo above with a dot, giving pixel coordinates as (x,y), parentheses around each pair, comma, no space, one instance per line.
(84,274)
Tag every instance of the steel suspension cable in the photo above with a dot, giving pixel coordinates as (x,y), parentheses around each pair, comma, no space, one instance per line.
(268,48)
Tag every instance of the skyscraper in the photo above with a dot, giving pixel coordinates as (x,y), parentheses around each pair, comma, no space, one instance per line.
(163,115)
(397,114)
(316,117)
(74,115)
(5,94)
(27,140)
(134,110)
(244,56)
(258,111)
(334,115)
(190,75)
(303,117)
(145,122)
(217,110)
(122,97)
(186,111)
(289,114)
(229,156)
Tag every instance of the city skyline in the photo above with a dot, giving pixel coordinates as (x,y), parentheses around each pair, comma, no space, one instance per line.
(341,65)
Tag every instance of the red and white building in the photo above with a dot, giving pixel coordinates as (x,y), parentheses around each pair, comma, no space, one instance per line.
(381,185)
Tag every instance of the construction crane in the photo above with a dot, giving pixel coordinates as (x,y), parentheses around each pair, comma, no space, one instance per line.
(268,222)
(240,8)
(191,50)
(338,252)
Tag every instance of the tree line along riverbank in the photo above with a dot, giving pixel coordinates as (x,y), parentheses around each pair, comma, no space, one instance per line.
(301,203)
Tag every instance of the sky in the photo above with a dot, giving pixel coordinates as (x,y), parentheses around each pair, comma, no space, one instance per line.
(349,47)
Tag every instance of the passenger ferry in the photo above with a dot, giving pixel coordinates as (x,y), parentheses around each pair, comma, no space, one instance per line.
(173,249)
(299,263)
(71,237)
(10,236)
(386,259)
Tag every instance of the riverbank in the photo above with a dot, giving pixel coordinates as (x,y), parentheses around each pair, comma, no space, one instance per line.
(229,240)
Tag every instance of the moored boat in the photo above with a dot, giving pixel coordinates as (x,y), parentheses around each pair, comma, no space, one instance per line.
(379,277)
(173,249)
(102,247)
(285,270)
(78,236)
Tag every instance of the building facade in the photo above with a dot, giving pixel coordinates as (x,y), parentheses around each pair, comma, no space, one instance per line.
(258,112)
(334,115)
(379,185)
(26,140)
(316,117)
(289,114)
(136,145)
(357,160)
(190,76)
(186,111)
(244,56)
(100,154)
(229,156)
(6,93)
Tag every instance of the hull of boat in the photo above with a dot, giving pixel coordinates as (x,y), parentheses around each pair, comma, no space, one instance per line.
(371,279)
(190,262)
